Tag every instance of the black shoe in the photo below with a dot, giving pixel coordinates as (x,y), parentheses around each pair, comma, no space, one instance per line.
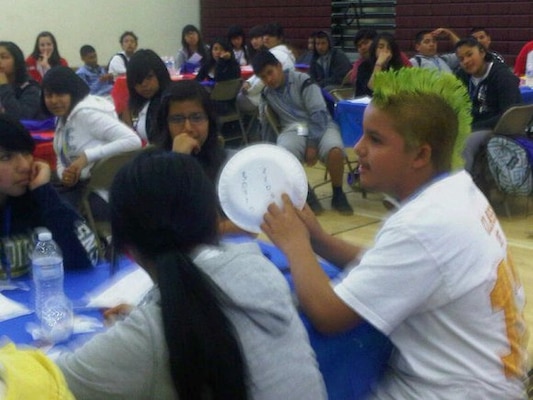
(340,203)
(313,202)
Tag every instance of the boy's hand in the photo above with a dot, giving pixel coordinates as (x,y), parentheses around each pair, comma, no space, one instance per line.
(40,175)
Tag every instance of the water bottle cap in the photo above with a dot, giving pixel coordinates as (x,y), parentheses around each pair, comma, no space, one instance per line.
(44,236)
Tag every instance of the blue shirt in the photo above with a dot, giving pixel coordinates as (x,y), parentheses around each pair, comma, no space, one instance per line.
(91,76)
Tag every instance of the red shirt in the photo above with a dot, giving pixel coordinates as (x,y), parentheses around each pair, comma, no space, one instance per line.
(31,65)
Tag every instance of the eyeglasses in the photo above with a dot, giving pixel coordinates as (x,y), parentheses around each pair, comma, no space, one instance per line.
(194,119)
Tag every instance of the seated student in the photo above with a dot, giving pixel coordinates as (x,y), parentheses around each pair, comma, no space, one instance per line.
(426,49)
(439,280)
(30,374)
(237,40)
(45,55)
(362,41)
(118,65)
(96,77)
(482,36)
(221,65)
(28,200)
(20,97)
(186,124)
(219,319)
(492,88)
(329,65)
(385,54)
(307,130)
(255,34)
(87,130)
(193,52)
(272,40)
(147,78)
(521,59)
(306,56)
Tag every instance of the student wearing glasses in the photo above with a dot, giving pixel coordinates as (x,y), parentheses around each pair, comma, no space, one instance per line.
(186,124)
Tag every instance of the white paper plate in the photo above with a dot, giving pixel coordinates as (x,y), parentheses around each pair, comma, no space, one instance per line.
(257,176)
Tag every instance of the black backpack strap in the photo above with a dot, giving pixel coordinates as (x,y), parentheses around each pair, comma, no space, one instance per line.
(305,84)
(418,60)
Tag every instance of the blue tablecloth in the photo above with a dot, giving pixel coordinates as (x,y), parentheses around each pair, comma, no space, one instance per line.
(349,116)
(350,362)
(527,94)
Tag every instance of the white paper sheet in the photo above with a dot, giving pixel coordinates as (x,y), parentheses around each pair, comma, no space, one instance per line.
(125,289)
(361,100)
(11,309)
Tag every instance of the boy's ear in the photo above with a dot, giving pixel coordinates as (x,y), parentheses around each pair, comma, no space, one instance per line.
(423,156)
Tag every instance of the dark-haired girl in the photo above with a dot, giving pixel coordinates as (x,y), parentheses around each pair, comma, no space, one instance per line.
(385,54)
(219,322)
(20,97)
(45,55)
(87,129)
(193,51)
(492,87)
(221,66)
(147,77)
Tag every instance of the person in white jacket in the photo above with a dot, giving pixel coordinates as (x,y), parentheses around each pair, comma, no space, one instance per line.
(87,129)
(250,95)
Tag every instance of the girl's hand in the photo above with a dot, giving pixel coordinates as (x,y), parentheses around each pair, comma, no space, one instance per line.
(111,315)
(71,174)
(3,78)
(185,144)
(384,56)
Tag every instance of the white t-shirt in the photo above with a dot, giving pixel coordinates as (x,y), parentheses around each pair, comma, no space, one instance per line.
(439,283)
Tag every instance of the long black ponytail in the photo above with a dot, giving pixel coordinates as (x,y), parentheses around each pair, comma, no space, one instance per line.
(163,205)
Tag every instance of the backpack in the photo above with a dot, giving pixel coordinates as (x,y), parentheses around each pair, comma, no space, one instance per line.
(510,160)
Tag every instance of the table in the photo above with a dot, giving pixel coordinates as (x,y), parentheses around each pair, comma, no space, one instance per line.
(350,362)
(527,94)
(349,116)
(44,148)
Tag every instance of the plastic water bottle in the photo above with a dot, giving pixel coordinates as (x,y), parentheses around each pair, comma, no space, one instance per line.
(52,307)
(170,64)
(529,69)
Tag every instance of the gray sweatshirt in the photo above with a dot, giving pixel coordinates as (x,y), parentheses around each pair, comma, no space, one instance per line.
(130,360)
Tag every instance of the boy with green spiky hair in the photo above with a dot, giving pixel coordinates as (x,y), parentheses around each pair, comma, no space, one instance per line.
(438,280)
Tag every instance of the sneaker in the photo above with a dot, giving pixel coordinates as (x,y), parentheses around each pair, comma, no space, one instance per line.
(340,203)
(313,202)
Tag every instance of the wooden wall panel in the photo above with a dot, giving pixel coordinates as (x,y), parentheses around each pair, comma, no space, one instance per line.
(510,22)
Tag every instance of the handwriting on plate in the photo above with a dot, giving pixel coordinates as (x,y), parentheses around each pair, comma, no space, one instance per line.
(262,176)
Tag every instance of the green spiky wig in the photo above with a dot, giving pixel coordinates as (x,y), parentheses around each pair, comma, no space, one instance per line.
(431,81)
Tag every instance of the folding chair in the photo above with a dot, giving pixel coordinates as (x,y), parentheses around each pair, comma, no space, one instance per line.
(224,94)
(102,175)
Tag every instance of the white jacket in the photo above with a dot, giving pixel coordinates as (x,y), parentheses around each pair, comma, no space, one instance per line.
(93,128)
